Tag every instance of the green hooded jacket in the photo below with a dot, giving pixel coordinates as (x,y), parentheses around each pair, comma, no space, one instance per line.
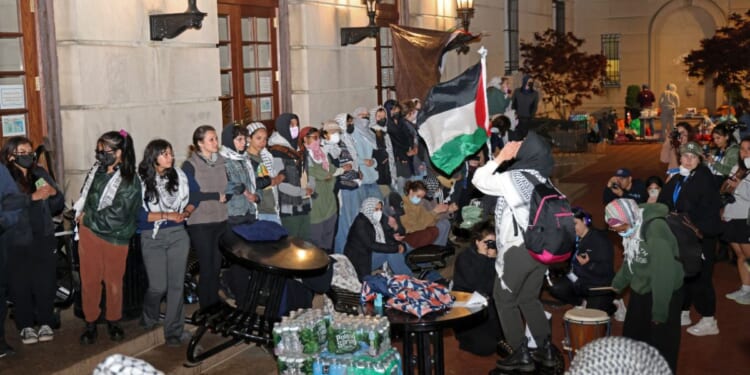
(655,268)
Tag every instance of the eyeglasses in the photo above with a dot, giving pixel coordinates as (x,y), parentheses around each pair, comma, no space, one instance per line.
(21,153)
(105,151)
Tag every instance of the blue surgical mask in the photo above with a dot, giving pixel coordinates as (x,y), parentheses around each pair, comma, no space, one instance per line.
(415,199)
(627,233)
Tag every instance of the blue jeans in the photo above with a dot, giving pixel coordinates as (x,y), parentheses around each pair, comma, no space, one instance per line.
(444,230)
(349,208)
(396,261)
(369,191)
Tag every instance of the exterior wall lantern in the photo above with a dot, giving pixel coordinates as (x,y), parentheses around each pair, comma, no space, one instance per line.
(465,10)
(173,24)
(354,35)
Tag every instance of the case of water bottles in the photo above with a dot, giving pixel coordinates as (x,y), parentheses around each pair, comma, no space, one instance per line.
(313,342)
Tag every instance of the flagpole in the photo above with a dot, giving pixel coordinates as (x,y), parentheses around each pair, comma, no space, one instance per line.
(483,54)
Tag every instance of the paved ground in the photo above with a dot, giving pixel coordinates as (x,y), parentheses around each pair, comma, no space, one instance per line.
(727,353)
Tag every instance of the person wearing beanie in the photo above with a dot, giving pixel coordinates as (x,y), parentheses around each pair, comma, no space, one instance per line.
(652,271)
(693,192)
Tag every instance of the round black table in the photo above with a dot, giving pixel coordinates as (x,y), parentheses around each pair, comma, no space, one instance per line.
(269,263)
(427,334)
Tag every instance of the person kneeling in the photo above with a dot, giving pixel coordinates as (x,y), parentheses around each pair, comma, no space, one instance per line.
(591,267)
(475,272)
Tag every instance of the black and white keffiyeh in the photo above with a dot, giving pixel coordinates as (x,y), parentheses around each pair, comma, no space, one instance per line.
(618,355)
(368,209)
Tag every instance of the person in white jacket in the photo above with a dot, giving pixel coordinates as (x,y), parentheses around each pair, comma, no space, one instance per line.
(517,287)
(669,101)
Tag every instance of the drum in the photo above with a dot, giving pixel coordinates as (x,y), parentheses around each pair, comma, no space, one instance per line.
(583,326)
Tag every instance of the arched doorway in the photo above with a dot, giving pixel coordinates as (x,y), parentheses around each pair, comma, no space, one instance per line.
(676,28)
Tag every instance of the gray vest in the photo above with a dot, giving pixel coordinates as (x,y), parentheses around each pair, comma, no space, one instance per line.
(211,179)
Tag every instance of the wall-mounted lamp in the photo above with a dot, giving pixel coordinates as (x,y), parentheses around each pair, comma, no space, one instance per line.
(465,10)
(354,35)
(170,25)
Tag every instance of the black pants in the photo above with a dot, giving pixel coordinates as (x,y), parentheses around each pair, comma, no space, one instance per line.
(3,283)
(575,293)
(665,337)
(699,290)
(32,278)
(204,238)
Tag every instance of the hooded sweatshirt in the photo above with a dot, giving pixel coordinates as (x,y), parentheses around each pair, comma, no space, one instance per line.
(525,102)
(513,190)
(654,268)
(288,161)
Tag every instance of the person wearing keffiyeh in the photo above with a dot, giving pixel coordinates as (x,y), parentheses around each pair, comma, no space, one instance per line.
(652,271)
(372,242)
(106,216)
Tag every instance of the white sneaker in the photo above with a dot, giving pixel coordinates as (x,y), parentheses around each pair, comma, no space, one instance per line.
(704,327)
(621,310)
(743,299)
(685,318)
(29,336)
(737,293)
(45,333)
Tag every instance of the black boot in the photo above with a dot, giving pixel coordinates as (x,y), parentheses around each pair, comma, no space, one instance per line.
(115,331)
(89,334)
(545,354)
(519,360)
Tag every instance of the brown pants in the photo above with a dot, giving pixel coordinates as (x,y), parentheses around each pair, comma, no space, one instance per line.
(422,237)
(101,261)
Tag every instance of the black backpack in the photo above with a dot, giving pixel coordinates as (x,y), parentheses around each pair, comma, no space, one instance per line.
(550,234)
(688,242)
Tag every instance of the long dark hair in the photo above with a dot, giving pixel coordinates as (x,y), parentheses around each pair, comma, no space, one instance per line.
(124,142)
(198,135)
(741,162)
(147,170)
(25,183)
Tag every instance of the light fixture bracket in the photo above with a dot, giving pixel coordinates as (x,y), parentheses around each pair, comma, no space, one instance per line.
(173,24)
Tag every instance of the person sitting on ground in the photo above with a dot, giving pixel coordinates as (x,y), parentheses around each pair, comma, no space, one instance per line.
(591,266)
(475,272)
(653,187)
(368,246)
(423,226)
(622,185)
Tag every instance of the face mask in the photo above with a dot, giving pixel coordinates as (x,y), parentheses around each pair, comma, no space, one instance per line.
(335,138)
(314,145)
(377,215)
(415,199)
(747,162)
(531,85)
(381,122)
(294,131)
(653,193)
(105,158)
(684,172)
(627,233)
(396,115)
(349,128)
(24,161)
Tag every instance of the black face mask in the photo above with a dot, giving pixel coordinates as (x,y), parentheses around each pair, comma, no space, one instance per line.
(531,85)
(25,161)
(396,115)
(381,122)
(350,128)
(105,158)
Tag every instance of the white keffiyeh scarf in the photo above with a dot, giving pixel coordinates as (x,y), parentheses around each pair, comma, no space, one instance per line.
(108,195)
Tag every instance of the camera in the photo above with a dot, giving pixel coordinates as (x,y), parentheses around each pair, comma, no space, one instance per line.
(491,244)
(726,198)
(674,138)
(615,185)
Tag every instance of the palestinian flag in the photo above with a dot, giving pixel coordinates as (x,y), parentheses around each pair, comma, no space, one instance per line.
(454,121)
